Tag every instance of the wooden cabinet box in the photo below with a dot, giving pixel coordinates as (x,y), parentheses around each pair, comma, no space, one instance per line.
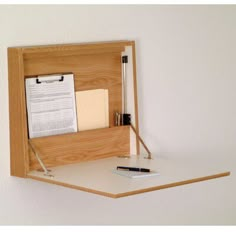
(84,160)
(94,65)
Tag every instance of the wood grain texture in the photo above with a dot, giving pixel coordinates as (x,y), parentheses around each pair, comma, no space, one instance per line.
(74,49)
(125,194)
(99,71)
(95,65)
(17,109)
(82,146)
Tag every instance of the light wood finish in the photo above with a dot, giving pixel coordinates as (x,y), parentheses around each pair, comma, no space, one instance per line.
(73,157)
(95,65)
(173,172)
(82,146)
(17,110)
(135,96)
(99,71)
(74,49)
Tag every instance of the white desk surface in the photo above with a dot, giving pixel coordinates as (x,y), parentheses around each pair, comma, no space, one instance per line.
(97,176)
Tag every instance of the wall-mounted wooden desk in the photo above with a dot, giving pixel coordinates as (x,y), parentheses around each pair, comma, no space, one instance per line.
(85,160)
(98,177)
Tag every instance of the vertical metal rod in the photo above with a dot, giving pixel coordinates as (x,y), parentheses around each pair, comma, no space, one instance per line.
(124,110)
(124,91)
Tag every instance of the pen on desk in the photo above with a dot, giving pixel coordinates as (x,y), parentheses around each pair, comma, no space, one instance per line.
(132,169)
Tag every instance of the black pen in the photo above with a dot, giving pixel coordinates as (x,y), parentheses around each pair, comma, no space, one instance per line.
(132,169)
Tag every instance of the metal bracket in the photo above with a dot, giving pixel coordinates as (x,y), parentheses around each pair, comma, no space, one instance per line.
(142,142)
(46,171)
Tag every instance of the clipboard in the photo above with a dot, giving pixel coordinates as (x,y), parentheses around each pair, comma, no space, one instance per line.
(51,105)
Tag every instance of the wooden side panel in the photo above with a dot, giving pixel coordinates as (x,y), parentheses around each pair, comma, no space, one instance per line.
(90,71)
(135,96)
(82,146)
(17,108)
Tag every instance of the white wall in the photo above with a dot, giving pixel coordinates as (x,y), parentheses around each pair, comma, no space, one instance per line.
(186,84)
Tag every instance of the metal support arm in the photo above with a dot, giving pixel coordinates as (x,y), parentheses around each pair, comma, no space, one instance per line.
(46,171)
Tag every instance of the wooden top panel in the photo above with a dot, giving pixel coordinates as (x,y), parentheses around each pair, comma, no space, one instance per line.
(73,49)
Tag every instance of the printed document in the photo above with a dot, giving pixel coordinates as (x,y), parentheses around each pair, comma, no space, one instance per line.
(51,105)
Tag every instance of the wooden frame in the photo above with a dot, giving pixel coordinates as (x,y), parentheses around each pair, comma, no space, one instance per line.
(94,65)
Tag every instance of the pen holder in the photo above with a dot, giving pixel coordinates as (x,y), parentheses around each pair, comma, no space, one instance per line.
(122,119)
(126,119)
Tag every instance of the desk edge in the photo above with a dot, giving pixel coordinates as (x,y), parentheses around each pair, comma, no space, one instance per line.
(125,194)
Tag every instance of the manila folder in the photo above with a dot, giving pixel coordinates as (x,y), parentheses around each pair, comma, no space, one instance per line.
(92,109)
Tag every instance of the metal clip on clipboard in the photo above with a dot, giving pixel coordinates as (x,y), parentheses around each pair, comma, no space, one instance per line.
(41,79)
